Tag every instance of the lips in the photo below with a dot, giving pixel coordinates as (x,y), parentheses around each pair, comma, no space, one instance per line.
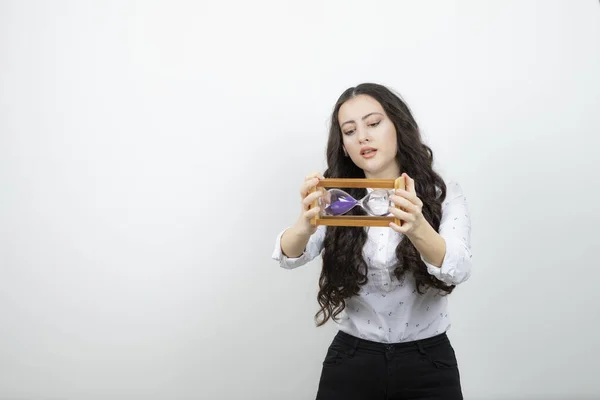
(368,152)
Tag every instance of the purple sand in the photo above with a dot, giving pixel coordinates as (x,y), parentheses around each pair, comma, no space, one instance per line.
(341,206)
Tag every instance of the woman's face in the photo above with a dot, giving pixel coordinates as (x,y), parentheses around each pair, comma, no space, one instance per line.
(369,137)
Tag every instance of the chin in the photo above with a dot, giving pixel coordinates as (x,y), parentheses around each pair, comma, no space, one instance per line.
(374,166)
(372,171)
(375,170)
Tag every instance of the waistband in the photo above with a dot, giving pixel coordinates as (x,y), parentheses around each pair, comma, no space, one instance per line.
(357,343)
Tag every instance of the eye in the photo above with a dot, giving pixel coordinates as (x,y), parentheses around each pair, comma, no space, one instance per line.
(350,132)
(375,124)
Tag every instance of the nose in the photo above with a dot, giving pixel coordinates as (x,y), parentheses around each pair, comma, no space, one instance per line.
(362,136)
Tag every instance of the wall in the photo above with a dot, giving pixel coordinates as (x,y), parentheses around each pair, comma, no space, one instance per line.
(150,152)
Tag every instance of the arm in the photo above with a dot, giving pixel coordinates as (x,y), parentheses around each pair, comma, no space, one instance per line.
(430,244)
(293,242)
(446,254)
(289,241)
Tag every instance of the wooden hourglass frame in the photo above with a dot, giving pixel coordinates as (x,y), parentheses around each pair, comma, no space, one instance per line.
(356,220)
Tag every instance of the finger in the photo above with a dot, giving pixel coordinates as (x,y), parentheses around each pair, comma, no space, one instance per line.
(412,197)
(307,186)
(308,200)
(312,180)
(398,228)
(314,175)
(313,212)
(404,203)
(410,184)
(403,215)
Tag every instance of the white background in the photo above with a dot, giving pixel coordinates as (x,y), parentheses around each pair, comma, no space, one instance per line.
(150,153)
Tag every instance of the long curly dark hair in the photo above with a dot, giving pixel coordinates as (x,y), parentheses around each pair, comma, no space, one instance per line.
(344,268)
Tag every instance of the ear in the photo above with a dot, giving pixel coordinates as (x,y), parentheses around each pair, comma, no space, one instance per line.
(345,152)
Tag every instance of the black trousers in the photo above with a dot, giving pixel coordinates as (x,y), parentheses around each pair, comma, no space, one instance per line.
(356,369)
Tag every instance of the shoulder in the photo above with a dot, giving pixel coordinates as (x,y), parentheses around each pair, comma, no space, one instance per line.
(454,190)
(453,187)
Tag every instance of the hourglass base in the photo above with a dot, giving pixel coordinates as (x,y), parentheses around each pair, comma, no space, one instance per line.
(357,220)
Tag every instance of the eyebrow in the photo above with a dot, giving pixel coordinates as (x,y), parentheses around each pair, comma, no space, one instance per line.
(363,118)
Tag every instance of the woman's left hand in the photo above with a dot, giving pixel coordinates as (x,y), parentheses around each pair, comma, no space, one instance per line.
(410,208)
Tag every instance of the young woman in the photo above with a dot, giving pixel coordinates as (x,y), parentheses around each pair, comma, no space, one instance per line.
(386,287)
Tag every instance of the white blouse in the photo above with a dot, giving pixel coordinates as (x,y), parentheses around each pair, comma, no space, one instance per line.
(387,310)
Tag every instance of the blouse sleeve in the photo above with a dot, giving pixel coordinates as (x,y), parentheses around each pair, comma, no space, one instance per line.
(312,250)
(455,228)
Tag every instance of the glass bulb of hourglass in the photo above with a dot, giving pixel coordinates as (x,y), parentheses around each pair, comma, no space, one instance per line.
(336,202)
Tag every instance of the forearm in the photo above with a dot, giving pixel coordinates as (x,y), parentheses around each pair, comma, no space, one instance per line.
(429,243)
(293,242)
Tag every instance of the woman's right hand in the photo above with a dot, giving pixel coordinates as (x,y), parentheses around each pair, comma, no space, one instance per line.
(307,198)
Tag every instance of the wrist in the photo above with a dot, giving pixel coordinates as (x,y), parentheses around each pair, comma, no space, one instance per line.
(421,231)
(429,243)
(299,231)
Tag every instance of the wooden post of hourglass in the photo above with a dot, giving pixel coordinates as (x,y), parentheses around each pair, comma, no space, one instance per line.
(356,220)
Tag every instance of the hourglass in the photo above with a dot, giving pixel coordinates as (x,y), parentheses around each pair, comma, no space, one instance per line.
(336,203)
